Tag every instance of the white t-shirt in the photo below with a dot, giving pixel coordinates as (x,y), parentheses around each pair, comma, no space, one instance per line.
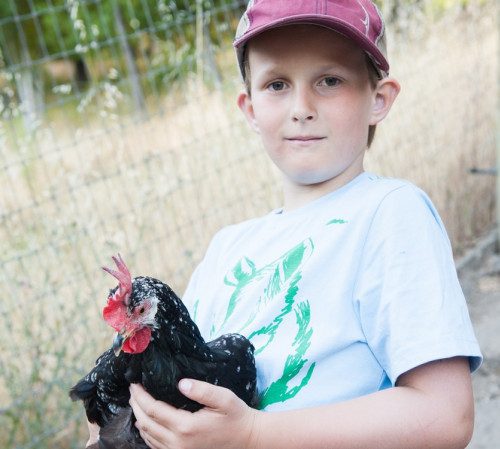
(340,296)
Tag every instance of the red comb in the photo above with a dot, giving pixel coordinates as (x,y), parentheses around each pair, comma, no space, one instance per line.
(123,276)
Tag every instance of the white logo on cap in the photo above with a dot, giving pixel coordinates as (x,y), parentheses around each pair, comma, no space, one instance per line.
(366,21)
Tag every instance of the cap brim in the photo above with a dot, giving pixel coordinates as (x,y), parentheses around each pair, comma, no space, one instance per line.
(380,61)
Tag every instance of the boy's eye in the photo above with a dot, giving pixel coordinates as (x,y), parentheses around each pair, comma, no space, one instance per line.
(330,81)
(276,86)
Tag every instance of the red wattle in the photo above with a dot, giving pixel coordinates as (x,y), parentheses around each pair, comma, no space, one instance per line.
(138,342)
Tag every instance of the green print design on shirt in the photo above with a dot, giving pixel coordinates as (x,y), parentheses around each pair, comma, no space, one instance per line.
(336,221)
(282,277)
(279,390)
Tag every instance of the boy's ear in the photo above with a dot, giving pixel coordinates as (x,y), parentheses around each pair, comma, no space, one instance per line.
(245,104)
(385,93)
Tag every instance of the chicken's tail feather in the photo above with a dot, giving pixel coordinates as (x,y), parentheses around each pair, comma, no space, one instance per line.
(82,391)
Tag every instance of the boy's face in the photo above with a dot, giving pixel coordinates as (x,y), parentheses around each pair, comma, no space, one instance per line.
(311,101)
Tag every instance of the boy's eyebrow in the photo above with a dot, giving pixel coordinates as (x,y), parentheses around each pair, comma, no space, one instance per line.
(332,67)
(274,70)
(270,70)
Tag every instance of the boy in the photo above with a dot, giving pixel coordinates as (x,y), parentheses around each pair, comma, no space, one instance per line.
(348,292)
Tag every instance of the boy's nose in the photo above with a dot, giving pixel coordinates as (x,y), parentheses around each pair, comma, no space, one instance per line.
(303,109)
(303,117)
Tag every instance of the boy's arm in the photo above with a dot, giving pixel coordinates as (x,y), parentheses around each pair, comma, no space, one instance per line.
(431,407)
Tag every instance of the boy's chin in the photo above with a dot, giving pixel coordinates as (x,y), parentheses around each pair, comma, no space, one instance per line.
(308,178)
(311,179)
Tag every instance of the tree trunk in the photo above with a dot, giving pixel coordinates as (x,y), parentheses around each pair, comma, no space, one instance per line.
(30,93)
(205,57)
(82,76)
(199,41)
(211,64)
(133,73)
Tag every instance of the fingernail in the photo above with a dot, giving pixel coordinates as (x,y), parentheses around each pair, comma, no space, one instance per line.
(185,385)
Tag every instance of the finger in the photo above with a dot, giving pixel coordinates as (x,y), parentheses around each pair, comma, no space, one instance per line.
(149,429)
(151,441)
(158,411)
(212,396)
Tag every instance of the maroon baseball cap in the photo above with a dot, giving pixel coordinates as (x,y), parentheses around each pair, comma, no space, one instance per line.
(359,20)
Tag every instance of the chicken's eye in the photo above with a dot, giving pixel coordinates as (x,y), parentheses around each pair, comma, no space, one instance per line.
(141,311)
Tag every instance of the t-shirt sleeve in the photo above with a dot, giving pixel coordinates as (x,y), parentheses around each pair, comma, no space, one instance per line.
(410,304)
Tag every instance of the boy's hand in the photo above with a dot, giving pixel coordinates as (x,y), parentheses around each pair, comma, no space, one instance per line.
(225,422)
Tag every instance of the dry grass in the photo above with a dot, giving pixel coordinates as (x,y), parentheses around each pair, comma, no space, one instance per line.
(157,190)
(443,123)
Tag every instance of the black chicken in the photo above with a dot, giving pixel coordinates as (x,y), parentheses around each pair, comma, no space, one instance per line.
(156,345)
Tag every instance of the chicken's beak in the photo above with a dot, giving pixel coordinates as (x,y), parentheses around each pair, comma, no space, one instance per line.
(118,343)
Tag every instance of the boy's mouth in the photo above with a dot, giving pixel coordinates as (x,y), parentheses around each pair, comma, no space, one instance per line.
(304,140)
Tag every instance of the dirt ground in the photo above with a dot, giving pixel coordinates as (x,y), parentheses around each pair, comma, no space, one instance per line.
(479,273)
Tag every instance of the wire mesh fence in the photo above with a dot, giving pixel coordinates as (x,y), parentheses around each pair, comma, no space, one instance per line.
(119,133)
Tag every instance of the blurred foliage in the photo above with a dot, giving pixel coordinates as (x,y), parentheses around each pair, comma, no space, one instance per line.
(146,43)
(73,27)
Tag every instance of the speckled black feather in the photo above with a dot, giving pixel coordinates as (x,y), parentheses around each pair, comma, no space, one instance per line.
(176,350)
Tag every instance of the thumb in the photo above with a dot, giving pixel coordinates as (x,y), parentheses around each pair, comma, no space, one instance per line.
(209,395)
